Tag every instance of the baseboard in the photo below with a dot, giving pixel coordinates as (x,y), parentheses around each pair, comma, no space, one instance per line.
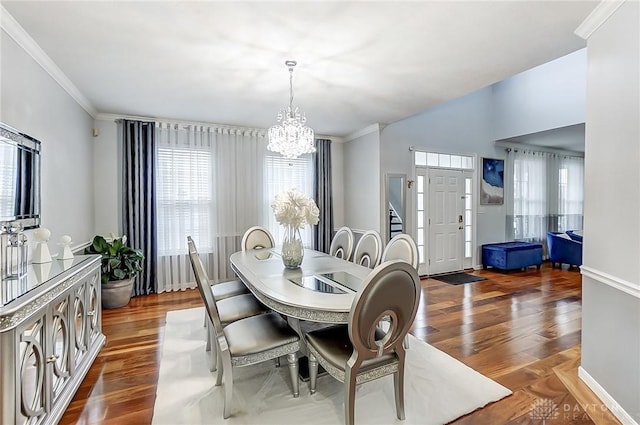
(607,400)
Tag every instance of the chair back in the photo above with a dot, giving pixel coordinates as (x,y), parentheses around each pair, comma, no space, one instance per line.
(368,249)
(205,289)
(257,237)
(391,290)
(401,247)
(342,244)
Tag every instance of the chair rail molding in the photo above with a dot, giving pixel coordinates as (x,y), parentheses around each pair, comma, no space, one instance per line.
(607,400)
(615,282)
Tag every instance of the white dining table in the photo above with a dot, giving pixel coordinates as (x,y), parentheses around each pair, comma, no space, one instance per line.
(300,293)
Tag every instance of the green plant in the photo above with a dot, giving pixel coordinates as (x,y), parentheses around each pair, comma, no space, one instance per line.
(118,260)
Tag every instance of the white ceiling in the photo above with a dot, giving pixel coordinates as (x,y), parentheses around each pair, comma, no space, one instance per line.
(359,63)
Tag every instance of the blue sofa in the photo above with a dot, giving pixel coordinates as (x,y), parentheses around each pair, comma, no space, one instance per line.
(573,235)
(563,249)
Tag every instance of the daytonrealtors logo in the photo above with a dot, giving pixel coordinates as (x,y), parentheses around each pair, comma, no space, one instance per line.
(544,409)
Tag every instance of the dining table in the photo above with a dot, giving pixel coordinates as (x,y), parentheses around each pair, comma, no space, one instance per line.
(321,290)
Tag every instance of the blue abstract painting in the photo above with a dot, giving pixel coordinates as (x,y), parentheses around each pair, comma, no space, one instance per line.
(492,185)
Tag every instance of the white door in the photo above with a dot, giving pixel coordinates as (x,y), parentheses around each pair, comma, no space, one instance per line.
(446,228)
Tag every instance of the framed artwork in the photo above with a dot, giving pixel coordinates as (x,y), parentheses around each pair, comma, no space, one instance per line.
(492,183)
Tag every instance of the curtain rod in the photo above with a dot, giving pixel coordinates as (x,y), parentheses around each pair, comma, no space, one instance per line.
(533,148)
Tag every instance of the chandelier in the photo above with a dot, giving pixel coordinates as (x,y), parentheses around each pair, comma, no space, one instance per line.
(290,136)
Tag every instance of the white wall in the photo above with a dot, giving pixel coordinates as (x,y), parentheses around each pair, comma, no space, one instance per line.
(107,178)
(35,104)
(551,95)
(461,126)
(611,271)
(362,180)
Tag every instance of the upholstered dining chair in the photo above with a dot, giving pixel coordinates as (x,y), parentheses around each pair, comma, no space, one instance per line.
(257,237)
(246,341)
(231,308)
(401,247)
(361,351)
(368,249)
(342,244)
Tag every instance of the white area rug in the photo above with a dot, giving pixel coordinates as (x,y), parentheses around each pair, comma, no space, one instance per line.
(438,388)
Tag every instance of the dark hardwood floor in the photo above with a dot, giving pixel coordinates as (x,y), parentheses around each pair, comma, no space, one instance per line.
(521,329)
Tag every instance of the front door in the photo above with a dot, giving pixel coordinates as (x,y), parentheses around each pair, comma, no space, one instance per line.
(446,228)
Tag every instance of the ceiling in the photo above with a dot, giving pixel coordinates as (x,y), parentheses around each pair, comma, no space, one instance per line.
(359,63)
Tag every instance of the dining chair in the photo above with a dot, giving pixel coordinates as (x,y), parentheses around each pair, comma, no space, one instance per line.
(257,237)
(342,244)
(401,247)
(246,341)
(360,351)
(230,307)
(368,249)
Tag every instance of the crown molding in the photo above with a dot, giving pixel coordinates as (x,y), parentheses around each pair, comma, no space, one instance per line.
(597,17)
(362,132)
(29,45)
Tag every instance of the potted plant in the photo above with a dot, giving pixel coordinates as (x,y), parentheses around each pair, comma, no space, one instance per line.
(120,265)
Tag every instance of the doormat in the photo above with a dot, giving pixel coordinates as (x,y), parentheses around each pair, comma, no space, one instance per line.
(458,278)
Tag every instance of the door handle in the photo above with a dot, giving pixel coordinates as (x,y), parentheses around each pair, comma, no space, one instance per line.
(460,228)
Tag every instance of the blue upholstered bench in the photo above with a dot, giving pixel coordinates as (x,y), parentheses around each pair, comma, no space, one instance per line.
(511,255)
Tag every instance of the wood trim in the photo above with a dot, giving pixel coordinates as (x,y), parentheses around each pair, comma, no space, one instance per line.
(613,281)
(607,400)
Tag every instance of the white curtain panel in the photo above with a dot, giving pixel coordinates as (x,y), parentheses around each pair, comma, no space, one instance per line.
(210,186)
(571,194)
(544,194)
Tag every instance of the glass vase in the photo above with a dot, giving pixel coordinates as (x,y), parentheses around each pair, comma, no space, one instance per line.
(292,250)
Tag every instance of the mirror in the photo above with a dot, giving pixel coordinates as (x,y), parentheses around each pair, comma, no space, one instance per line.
(19,178)
(395,204)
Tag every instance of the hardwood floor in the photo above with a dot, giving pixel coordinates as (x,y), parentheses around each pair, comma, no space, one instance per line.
(521,329)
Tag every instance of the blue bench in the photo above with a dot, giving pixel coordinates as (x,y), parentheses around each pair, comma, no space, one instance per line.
(511,255)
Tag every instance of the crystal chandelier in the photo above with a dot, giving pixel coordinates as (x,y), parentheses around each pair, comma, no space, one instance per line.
(290,136)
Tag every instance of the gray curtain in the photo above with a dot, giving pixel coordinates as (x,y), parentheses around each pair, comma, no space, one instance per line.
(322,194)
(138,198)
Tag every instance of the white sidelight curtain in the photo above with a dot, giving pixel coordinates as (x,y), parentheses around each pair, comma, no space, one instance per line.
(210,186)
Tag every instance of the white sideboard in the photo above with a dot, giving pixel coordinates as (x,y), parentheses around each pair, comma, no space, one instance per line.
(50,334)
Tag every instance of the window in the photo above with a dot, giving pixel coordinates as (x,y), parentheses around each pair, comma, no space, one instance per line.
(183,198)
(282,174)
(443,160)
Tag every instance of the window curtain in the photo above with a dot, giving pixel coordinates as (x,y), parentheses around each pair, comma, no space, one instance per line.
(544,193)
(138,203)
(323,195)
(210,186)
(282,174)
(527,213)
(571,193)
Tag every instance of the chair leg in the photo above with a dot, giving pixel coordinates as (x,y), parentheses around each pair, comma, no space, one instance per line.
(313,373)
(208,346)
(213,351)
(219,367)
(293,370)
(398,381)
(349,396)
(228,382)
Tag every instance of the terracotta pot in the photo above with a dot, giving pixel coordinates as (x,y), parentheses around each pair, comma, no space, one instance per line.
(116,293)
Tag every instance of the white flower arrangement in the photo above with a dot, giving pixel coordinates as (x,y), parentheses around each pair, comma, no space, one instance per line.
(294,208)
